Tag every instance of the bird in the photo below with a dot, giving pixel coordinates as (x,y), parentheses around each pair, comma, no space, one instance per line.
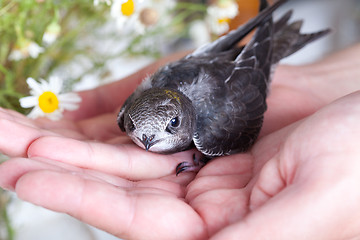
(215,97)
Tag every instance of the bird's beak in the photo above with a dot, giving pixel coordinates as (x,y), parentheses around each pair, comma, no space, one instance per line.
(148,141)
(147,145)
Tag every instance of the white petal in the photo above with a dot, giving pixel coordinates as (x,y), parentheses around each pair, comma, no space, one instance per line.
(16,55)
(35,50)
(199,33)
(35,87)
(55,84)
(69,101)
(122,21)
(49,38)
(69,106)
(28,102)
(44,86)
(69,97)
(36,113)
(219,29)
(54,116)
(115,10)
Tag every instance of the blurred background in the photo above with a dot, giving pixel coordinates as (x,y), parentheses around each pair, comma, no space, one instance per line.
(343,17)
(24,221)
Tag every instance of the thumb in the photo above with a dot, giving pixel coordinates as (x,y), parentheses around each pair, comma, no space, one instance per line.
(300,211)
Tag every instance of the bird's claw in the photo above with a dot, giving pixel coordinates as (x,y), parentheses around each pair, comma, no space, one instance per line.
(195,166)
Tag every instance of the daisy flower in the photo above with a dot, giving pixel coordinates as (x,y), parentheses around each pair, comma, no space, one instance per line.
(220,15)
(141,14)
(47,100)
(25,48)
(124,11)
(51,33)
(199,33)
(155,13)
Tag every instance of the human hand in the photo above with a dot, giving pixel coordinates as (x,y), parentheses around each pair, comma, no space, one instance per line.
(92,131)
(305,182)
(73,182)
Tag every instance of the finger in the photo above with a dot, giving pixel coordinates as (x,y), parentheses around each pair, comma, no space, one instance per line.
(44,123)
(220,186)
(14,116)
(125,160)
(230,172)
(12,170)
(292,147)
(62,127)
(121,212)
(302,211)
(16,138)
(221,207)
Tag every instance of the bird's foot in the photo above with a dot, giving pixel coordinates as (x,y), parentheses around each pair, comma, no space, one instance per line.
(194,166)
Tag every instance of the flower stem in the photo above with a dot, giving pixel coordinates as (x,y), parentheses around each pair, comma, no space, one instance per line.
(4,217)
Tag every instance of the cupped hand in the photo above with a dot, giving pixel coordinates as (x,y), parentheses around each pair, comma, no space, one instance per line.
(294,181)
(306,176)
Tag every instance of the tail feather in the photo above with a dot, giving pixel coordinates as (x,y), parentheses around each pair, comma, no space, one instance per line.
(228,41)
(286,36)
(273,41)
(304,39)
(288,39)
(263,5)
(283,21)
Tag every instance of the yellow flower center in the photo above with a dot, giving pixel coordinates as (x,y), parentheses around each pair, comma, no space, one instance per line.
(128,8)
(224,20)
(48,102)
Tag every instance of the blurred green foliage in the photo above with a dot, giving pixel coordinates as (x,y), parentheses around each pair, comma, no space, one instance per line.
(28,20)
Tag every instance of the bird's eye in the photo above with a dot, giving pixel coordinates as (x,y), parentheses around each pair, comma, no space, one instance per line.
(175,122)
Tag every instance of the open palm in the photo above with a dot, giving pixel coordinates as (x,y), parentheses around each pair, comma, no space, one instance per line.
(85,167)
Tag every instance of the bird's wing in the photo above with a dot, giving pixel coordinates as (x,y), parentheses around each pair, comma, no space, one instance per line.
(231,121)
(236,105)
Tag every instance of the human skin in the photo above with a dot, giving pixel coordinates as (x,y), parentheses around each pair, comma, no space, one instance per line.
(299,180)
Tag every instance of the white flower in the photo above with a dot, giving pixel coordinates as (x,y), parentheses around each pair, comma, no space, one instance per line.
(24,49)
(52,32)
(47,100)
(140,14)
(124,11)
(220,14)
(154,13)
(199,33)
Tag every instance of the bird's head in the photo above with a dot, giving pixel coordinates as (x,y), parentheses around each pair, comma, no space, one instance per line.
(161,120)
